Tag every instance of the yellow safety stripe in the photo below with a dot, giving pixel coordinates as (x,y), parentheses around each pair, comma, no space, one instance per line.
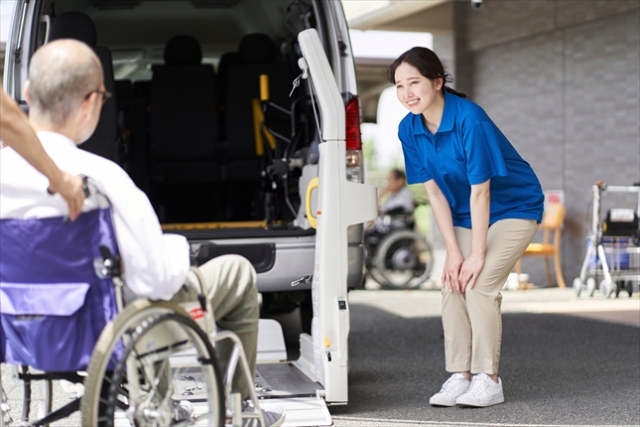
(214,225)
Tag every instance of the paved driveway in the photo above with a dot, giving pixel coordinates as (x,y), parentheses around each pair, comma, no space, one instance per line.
(565,361)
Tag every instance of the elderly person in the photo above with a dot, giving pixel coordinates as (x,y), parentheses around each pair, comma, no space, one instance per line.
(65,93)
(399,198)
(16,133)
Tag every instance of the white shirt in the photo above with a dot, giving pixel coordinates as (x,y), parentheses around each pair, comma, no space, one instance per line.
(401,199)
(155,264)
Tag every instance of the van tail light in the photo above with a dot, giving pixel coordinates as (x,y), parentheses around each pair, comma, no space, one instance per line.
(355,168)
(352,118)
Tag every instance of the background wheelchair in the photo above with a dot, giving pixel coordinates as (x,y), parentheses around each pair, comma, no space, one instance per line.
(398,257)
(63,317)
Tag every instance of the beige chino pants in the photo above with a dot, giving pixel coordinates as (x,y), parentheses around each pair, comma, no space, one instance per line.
(230,286)
(472,320)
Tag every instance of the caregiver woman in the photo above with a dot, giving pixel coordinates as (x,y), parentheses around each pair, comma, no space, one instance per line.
(487,202)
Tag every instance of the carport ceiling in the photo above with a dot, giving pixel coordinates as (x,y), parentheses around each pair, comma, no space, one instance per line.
(436,20)
(400,15)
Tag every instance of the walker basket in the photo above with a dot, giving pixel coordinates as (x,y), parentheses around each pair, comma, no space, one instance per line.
(621,222)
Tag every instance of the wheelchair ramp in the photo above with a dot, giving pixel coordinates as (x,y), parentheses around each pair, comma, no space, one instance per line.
(276,384)
(284,384)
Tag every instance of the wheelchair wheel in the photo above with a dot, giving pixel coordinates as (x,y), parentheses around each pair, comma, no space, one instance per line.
(403,260)
(148,360)
(16,409)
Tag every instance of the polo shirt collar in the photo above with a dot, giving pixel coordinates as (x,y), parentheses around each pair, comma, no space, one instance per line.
(418,125)
(448,117)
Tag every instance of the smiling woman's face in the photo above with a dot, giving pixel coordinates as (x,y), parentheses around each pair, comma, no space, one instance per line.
(415,91)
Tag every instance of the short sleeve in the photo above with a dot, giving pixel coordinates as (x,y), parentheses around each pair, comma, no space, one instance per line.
(413,165)
(484,157)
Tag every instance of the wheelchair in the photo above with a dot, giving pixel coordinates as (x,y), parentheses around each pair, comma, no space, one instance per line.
(63,317)
(397,257)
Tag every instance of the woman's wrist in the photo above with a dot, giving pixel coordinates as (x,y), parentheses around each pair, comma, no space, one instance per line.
(453,250)
(56,178)
(478,252)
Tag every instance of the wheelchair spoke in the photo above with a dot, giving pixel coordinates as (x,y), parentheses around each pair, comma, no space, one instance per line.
(157,366)
(159,377)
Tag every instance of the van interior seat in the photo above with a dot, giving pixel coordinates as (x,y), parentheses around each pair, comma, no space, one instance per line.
(123,89)
(183,118)
(105,141)
(257,54)
(142,88)
(226,60)
(133,108)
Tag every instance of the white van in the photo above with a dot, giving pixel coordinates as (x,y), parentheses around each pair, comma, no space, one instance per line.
(221,164)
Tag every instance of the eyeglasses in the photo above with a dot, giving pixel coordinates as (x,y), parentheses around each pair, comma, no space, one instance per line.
(104,93)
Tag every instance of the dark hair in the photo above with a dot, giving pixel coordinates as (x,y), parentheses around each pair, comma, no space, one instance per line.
(427,63)
(399,174)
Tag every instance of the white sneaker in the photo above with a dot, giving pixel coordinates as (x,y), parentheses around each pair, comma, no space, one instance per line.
(482,392)
(182,410)
(455,386)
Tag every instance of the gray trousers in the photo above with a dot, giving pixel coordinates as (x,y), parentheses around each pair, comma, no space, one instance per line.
(230,286)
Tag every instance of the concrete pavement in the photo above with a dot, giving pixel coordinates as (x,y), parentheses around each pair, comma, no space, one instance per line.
(422,303)
(566,361)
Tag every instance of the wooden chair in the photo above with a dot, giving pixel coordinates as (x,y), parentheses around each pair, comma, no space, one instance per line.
(551,224)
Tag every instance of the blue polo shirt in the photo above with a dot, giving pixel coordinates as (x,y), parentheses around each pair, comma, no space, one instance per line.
(469,149)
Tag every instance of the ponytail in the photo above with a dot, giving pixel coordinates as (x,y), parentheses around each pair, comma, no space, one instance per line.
(454,92)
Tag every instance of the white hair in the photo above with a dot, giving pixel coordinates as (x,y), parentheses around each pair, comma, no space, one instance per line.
(61,74)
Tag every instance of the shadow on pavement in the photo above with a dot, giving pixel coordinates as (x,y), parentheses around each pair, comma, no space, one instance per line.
(555,369)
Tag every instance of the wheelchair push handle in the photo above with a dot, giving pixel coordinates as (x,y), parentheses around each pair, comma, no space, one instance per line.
(85,187)
(111,264)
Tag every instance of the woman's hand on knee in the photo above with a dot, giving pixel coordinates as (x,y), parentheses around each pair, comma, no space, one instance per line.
(470,271)
(451,271)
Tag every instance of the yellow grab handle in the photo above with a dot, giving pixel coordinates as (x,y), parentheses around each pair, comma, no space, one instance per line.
(258,119)
(313,184)
(264,87)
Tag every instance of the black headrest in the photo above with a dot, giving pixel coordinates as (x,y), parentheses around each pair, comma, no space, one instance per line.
(74,25)
(182,50)
(227,59)
(257,48)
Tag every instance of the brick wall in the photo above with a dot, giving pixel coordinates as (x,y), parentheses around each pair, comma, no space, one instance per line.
(562,80)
